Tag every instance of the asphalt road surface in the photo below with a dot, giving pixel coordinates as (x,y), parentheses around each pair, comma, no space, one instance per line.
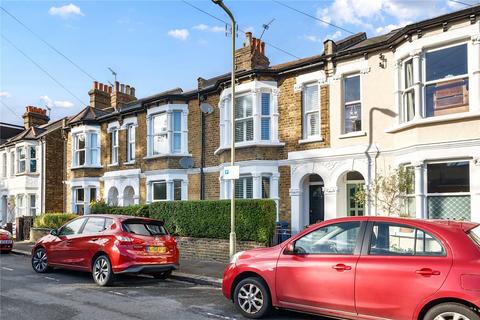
(64,294)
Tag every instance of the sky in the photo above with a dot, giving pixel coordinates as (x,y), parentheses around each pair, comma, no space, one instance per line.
(158,45)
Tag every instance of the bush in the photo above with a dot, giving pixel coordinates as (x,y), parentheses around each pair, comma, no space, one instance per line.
(52,220)
(255,219)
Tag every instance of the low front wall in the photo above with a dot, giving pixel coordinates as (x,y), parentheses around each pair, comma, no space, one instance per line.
(37,233)
(211,249)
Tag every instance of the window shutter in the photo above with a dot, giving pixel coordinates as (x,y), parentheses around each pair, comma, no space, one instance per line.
(249,187)
(249,130)
(265,104)
(311,98)
(313,124)
(265,128)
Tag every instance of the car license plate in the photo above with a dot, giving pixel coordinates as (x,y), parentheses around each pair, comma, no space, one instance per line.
(6,241)
(156,249)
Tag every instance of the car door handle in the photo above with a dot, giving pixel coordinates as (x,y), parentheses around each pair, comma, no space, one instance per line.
(427,272)
(94,239)
(341,267)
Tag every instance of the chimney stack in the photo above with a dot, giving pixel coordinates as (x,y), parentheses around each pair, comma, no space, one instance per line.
(100,95)
(252,55)
(122,94)
(34,117)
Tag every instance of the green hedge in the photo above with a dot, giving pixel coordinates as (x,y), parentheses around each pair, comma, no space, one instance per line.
(255,219)
(52,220)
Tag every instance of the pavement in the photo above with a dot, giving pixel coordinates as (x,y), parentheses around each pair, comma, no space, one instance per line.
(65,294)
(199,272)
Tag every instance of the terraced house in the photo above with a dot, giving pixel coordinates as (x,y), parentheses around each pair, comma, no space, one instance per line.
(31,167)
(310,133)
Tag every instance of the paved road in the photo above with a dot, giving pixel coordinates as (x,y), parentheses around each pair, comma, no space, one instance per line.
(65,295)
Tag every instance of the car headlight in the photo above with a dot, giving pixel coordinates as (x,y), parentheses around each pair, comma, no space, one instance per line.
(234,258)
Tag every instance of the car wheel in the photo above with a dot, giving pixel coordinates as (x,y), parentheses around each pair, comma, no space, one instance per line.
(252,298)
(162,275)
(102,271)
(40,261)
(451,311)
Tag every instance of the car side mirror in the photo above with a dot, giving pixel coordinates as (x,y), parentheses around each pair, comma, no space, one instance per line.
(54,232)
(290,248)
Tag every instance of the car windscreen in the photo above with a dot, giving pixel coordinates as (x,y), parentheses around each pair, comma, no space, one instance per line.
(145,227)
(475,235)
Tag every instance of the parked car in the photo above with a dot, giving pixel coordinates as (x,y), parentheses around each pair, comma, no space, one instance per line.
(6,241)
(364,268)
(108,245)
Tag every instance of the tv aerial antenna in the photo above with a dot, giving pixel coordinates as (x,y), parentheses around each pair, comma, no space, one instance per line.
(266,27)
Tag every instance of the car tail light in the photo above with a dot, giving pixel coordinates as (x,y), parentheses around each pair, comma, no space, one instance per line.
(126,240)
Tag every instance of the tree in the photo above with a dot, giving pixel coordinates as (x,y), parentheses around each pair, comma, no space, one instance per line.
(387,193)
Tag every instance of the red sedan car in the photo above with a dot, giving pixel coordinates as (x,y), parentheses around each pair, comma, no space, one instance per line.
(364,268)
(107,245)
(6,241)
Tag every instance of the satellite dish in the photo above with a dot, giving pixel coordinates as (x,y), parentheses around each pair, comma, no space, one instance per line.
(206,108)
(186,162)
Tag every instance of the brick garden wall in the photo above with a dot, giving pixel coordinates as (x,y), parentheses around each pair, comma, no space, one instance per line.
(216,250)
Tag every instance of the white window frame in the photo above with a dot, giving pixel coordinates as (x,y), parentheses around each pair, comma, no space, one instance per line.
(169,110)
(32,209)
(305,113)
(254,88)
(77,150)
(406,90)
(20,205)
(244,179)
(20,160)
(426,83)
(12,163)
(170,177)
(245,119)
(88,131)
(345,104)
(76,202)
(114,146)
(131,132)
(266,117)
(30,159)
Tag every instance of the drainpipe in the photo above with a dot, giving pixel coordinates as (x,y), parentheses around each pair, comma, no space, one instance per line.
(43,176)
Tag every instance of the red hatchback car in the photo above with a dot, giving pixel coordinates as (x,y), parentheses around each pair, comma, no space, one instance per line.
(364,268)
(6,241)
(107,245)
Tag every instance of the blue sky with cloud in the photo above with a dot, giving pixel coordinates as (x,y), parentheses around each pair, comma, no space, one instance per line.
(158,45)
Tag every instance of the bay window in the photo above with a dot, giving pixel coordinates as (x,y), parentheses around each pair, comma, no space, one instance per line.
(434,82)
(311,111)
(177,189)
(159,190)
(167,130)
(352,104)
(243,118)
(265,187)
(255,115)
(21,160)
(79,200)
(20,205)
(86,149)
(131,143)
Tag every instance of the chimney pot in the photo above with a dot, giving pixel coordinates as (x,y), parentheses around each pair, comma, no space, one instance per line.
(95,85)
(127,89)
(248,39)
(122,88)
(109,89)
(132,91)
(117,86)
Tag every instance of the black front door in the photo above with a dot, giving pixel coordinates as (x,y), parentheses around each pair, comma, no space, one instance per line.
(317,212)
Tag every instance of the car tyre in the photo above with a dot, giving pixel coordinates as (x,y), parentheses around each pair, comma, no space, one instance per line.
(252,298)
(449,311)
(162,275)
(40,261)
(102,271)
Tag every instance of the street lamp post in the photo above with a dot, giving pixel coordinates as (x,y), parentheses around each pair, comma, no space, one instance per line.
(233,241)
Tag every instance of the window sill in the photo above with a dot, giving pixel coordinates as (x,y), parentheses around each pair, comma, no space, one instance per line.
(112,164)
(352,135)
(240,145)
(165,155)
(432,120)
(310,140)
(86,167)
(129,163)
(26,174)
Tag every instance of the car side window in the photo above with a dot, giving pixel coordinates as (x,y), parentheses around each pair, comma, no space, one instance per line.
(94,225)
(339,238)
(72,227)
(108,223)
(402,240)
